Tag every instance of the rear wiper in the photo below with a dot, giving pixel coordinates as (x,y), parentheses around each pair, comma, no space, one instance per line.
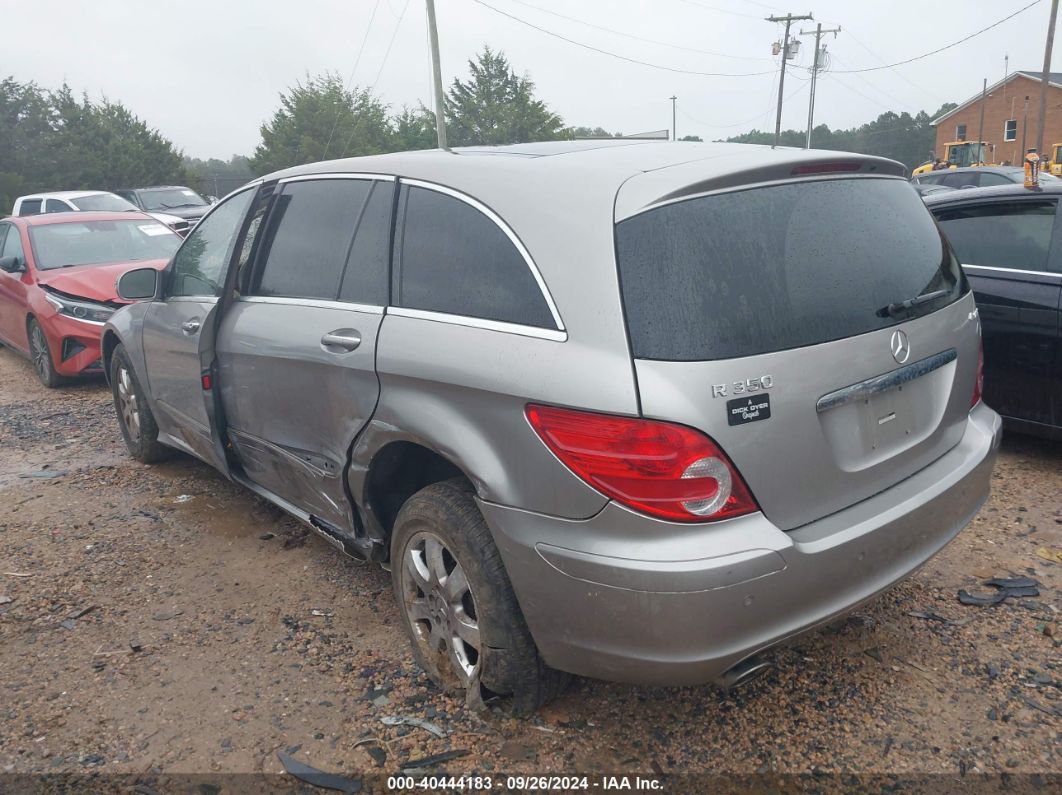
(892,310)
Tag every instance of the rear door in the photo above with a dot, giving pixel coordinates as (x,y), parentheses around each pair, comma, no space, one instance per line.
(297,350)
(178,331)
(1005,247)
(771,319)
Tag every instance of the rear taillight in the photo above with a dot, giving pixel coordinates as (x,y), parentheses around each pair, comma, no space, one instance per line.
(665,470)
(979,381)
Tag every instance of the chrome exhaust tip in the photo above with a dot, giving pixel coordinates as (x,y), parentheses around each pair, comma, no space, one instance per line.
(744,672)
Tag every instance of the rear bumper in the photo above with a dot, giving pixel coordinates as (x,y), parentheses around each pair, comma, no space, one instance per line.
(623,597)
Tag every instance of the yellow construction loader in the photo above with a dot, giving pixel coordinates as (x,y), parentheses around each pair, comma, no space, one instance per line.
(1054,163)
(958,154)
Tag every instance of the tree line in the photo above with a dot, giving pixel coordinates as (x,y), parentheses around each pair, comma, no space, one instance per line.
(909,139)
(54,140)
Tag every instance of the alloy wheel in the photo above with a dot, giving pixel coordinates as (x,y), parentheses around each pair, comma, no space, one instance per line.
(128,406)
(39,352)
(441,608)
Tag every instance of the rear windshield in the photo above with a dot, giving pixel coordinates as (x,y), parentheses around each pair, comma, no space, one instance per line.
(766,269)
(102,203)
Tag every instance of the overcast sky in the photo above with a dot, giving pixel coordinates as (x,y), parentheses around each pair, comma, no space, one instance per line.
(207,73)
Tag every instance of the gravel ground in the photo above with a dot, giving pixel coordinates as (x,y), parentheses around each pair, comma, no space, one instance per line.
(161,619)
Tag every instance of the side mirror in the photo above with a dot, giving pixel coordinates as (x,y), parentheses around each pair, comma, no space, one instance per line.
(11,265)
(139,284)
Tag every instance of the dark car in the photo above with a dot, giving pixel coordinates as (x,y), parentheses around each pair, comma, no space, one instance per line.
(977,177)
(1008,240)
(928,189)
(173,199)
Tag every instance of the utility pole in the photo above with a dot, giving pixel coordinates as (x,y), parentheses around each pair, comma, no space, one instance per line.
(1043,78)
(815,66)
(1024,128)
(436,72)
(981,128)
(674,132)
(788,19)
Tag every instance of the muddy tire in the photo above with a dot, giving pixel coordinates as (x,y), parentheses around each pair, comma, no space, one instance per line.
(139,429)
(41,355)
(457,603)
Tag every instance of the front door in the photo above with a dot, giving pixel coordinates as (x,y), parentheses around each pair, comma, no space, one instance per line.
(1005,248)
(13,289)
(178,332)
(297,351)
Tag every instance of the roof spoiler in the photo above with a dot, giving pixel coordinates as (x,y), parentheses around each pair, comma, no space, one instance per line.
(676,182)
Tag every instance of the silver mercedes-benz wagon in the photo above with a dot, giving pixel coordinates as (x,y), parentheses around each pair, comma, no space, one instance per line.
(629,410)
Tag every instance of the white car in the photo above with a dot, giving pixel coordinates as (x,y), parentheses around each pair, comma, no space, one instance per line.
(89,201)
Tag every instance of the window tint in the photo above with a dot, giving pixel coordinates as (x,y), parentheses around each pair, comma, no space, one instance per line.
(12,243)
(55,206)
(930,179)
(365,277)
(1012,235)
(200,264)
(455,259)
(30,207)
(311,232)
(964,179)
(772,268)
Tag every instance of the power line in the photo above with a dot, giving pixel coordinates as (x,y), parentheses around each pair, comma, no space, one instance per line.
(617,55)
(940,49)
(346,86)
(637,38)
(899,74)
(379,72)
(720,10)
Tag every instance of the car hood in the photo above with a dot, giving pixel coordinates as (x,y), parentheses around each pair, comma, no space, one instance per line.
(94,282)
(187,213)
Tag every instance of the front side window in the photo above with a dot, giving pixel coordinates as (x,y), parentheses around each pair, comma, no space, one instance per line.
(962,179)
(766,269)
(1010,129)
(989,179)
(1014,235)
(11,244)
(455,259)
(55,206)
(318,231)
(200,264)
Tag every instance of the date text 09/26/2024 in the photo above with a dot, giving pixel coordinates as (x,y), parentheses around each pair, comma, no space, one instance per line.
(525,783)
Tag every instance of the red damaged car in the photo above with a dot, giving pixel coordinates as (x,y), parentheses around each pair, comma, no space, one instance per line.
(57,283)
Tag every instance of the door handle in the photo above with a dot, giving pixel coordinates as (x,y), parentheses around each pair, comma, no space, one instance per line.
(346,338)
(190,326)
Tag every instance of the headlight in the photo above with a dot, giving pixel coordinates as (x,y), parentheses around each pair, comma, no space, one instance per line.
(80,310)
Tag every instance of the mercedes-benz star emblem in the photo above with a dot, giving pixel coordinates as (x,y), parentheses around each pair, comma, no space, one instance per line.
(900,346)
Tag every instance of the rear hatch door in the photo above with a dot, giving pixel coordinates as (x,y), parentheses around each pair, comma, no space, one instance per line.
(773,318)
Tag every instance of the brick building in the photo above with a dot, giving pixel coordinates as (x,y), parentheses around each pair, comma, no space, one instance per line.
(1009,120)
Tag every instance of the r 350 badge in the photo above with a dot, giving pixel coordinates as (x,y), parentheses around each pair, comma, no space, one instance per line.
(743,387)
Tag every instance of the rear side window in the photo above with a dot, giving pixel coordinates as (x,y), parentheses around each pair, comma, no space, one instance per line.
(30,207)
(55,206)
(1013,235)
(454,259)
(766,269)
(313,238)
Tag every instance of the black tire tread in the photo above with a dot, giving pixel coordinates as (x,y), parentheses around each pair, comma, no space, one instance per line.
(511,664)
(147,449)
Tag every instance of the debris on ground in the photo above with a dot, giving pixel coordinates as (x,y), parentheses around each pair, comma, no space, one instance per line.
(44,474)
(1053,554)
(166,615)
(180,498)
(5,600)
(1006,587)
(434,759)
(428,726)
(82,611)
(321,613)
(267,536)
(318,778)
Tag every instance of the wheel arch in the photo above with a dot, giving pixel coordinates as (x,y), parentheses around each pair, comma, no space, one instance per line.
(395,472)
(108,342)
